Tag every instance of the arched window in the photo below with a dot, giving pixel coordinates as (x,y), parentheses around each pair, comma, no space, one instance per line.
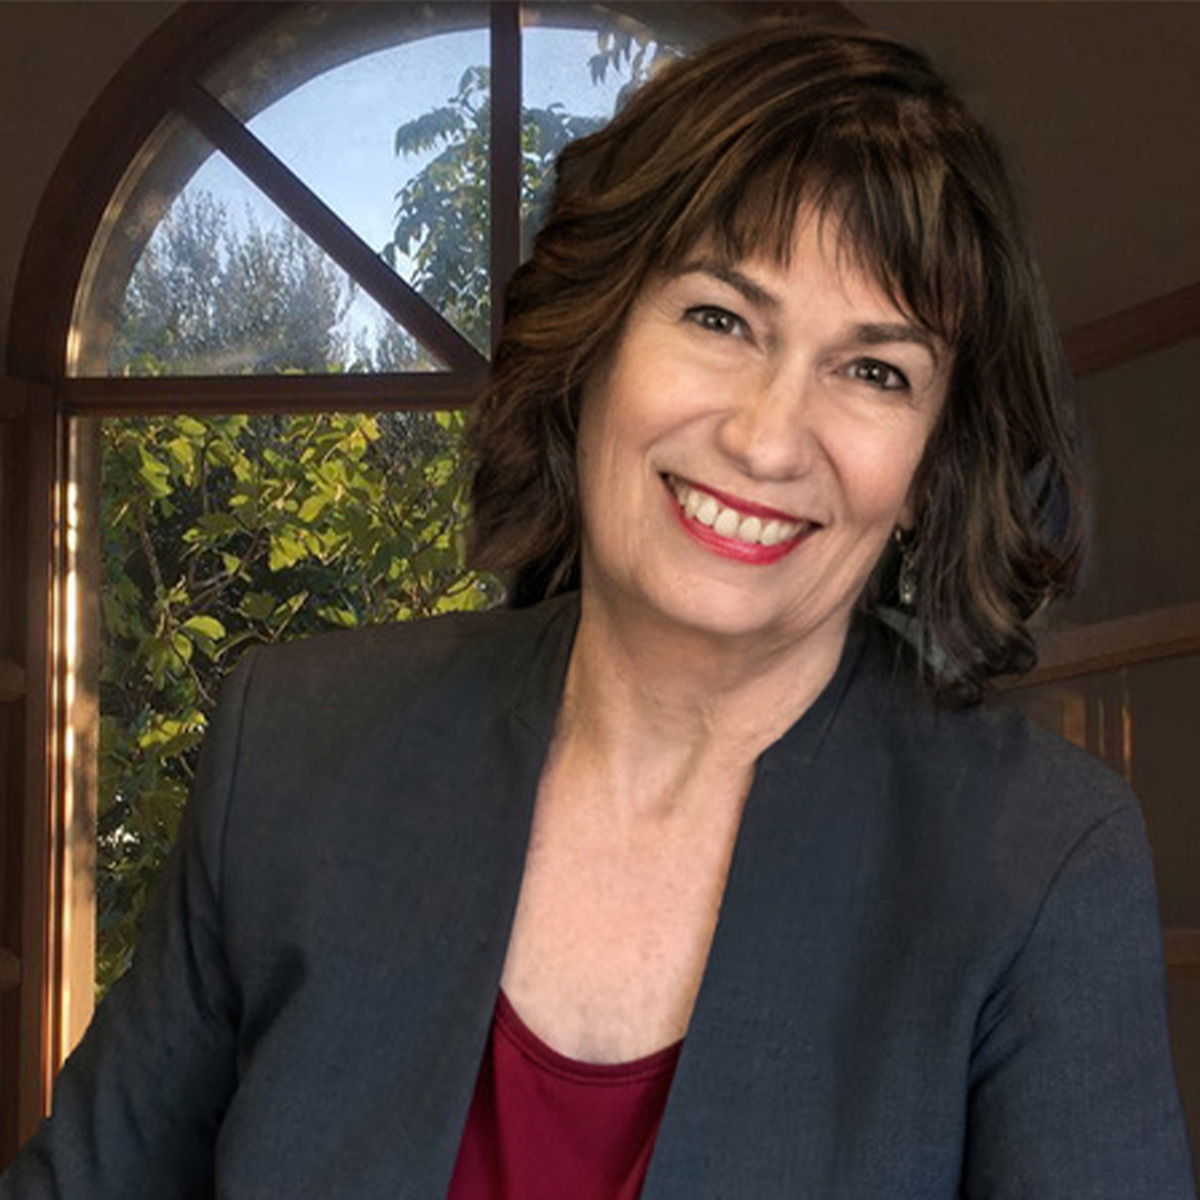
(260,292)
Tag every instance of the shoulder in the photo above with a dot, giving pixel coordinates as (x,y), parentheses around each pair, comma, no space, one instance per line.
(1003,806)
(383,665)
(353,739)
(340,712)
(993,748)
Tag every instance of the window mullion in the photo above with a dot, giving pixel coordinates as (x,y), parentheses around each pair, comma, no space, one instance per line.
(327,229)
(505,160)
(212,394)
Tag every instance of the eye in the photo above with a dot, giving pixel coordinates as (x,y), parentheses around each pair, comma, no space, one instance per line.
(879,375)
(717,320)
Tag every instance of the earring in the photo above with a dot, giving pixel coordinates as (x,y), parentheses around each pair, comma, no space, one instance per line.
(906,583)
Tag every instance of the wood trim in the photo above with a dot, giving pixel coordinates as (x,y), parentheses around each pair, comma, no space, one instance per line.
(199,394)
(326,228)
(1182,948)
(39,920)
(14,398)
(107,141)
(12,681)
(1107,645)
(1134,332)
(19,396)
(504,159)
(77,797)
(10,971)
(741,13)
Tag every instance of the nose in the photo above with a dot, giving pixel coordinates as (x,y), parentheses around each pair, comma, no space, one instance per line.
(771,429)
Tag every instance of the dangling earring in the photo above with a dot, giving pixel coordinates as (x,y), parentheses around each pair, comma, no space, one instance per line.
(906,583)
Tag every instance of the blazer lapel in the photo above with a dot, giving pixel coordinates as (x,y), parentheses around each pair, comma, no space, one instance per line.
(474,901)
(756,1089)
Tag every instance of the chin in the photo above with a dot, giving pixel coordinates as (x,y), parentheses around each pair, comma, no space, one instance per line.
(720,611)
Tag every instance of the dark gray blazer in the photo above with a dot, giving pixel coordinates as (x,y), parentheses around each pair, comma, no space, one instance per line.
(937,971)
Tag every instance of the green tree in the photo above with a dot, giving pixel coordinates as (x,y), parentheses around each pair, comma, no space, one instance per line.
(210,297)
(225,532)
(441,224)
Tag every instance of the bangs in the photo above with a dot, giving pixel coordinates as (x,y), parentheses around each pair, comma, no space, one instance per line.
(896,213)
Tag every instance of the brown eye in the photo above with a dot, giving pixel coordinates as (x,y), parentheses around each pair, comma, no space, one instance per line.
(879,375)
(716,320)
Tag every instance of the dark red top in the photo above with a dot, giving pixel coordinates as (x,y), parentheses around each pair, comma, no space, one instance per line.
(543,1126)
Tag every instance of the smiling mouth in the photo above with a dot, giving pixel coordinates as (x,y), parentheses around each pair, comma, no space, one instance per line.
(751,528)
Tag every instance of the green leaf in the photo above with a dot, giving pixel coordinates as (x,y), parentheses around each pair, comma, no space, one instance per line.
(285,552)
(208,627)
(218,524)
(155,474)
(258,606)
(313,507)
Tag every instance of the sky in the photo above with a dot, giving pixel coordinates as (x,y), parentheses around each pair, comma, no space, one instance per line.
(336,130)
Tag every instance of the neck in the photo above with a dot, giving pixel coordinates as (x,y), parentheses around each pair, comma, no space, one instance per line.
(652,708)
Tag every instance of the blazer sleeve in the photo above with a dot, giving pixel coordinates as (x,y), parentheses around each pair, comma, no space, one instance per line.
(1072,1092)
(137,1106)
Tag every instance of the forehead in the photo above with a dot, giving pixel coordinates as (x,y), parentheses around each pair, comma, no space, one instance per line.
(818,254)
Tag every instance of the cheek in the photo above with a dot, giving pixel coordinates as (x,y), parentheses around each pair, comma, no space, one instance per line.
(878,483)
(610,460)
(620,423)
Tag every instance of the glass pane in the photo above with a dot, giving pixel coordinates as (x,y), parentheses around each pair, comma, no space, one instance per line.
(1141,720)
(395,140)
(222,533)
(227,285)
(1144,429)
(573,80)
(169,159)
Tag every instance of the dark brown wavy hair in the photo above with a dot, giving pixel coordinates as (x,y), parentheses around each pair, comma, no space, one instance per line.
(724,147)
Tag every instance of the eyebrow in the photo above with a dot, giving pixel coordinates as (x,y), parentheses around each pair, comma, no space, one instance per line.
(727,273)
(888,332)
(871,333)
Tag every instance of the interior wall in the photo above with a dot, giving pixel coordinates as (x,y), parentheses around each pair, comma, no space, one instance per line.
(1144,430)
(55,59)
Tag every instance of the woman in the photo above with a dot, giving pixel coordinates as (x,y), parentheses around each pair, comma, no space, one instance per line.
(699,879)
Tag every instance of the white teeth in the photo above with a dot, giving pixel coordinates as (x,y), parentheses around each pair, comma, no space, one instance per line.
(730,523)
(750,530)
(727,524)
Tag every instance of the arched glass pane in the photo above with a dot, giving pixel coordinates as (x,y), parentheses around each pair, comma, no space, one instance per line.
(573,79)
(396,143)
(227,285)
(328,87)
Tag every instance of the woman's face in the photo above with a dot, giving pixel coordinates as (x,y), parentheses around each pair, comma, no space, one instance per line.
(751,444)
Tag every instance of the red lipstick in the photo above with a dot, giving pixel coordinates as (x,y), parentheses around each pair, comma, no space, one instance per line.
(753,553)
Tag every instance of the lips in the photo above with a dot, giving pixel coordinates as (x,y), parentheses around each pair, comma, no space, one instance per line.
(738,528)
